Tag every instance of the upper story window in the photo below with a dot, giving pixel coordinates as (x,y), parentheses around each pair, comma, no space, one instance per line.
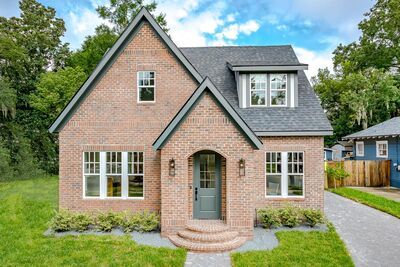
(258,89)
(360,149)
(381,149)
(146,86)
(278,90)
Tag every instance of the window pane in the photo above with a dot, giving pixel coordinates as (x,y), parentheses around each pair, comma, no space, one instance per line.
(258,97)
(274,185)
(146,94)
(295,185)
(135,186)
(113,186)
(92,186)
(278,98)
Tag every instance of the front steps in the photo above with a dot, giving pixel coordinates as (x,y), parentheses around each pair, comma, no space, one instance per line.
(207,236)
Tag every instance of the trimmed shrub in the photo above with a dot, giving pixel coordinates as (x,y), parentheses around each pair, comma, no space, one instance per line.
(62,221)
(269,217)
(107,221)
(81,222)
(290,216)
(313,217)
(149,221)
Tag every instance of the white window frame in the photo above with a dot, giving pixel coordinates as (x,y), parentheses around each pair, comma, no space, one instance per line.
(265,90)
(358,153)
(103,177)
(89,173)
(294,173)
(271,173)
(284,176)
(278,90)
(139,86)
(383,142)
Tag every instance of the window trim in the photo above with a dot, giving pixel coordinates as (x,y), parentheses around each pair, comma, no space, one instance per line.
(269,173)
(266,89)
(382,142)
(138,87)
(285,176)
(103,177)
(270,90)
(84,174)
(358,154)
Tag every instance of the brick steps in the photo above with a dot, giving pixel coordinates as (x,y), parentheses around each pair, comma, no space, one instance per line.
(207,246)
(207,236)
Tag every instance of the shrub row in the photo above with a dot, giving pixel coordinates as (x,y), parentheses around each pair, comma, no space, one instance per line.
(65,220)
(289,216)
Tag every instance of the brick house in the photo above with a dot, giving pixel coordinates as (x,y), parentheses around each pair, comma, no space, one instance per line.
(208,133)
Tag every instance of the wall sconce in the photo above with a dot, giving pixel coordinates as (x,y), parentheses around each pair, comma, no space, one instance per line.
(171,167)
(242,167)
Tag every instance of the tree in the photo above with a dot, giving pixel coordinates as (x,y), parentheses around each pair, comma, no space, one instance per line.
(379,44)
(8,99)
(121,12)
(93,49)
(55,89)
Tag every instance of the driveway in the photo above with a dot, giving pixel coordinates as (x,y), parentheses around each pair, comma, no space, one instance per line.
(372,237)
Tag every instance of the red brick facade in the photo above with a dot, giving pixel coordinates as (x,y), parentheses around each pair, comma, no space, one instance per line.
(110,119)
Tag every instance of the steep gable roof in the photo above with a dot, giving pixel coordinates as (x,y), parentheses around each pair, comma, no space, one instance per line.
(109,58)
(390,127)
(206,85)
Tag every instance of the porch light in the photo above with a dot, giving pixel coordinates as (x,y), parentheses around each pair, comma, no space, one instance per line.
(171,167)
(242,167)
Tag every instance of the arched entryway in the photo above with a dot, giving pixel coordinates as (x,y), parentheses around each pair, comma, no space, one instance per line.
(208,184)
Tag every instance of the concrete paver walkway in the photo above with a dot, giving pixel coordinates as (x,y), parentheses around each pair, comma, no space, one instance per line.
(372,236)
(208,259)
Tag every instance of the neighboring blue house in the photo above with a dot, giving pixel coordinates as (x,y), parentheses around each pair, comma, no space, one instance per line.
(328,154)
(379,142)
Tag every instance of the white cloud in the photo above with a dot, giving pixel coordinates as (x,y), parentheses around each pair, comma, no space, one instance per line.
(282,27)
(231,17)
(81,25)
(249,27)
(315,60)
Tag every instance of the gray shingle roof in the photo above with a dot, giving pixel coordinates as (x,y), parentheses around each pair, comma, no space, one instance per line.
(212,62)
(387,128)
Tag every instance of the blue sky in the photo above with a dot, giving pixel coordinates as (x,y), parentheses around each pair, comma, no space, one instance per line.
(314,28)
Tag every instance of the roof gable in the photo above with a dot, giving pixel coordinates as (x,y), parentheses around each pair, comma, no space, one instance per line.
(206,85)
(109,58)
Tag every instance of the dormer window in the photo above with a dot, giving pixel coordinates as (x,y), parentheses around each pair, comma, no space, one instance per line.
(278,90)
(146,86)
(258,89)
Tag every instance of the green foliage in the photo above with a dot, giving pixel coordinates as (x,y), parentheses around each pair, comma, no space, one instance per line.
(299,249)
(66,220)
(27,207)
(313,216)
(337,173)
(290,216)
(107,221)
(8,99)
(6,170)
(121,12)
(379,43)
(269,217)
(62,221)
(93,49)
(55,89)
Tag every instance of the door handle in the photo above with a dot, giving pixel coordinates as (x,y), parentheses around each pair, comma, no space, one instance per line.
(195,194)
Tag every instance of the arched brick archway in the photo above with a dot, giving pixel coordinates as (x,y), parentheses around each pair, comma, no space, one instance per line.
(192,182)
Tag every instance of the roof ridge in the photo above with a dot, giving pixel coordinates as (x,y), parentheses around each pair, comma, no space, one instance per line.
(235,46)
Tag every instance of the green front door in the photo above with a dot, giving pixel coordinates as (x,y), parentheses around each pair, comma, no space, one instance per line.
(207,186)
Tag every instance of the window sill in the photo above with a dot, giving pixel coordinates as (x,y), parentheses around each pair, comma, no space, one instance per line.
(146,102)
(113,198)
(289,198)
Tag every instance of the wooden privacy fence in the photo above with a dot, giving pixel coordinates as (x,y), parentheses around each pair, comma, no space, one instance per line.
(362,173)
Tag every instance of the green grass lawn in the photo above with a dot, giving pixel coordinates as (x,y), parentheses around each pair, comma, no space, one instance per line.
(378,202)
(27,206)
(299,249)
